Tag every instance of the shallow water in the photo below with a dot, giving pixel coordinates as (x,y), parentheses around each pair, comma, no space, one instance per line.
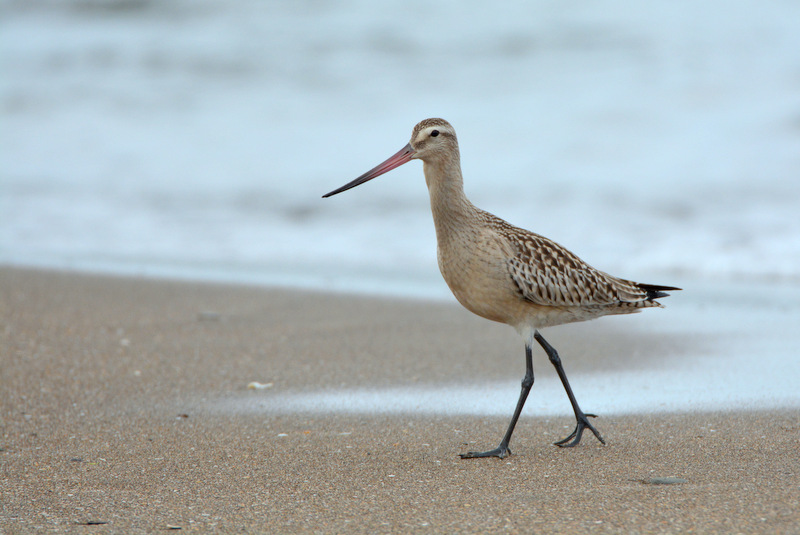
(195,139)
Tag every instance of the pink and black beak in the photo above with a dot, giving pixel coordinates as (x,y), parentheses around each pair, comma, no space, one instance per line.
(405,155)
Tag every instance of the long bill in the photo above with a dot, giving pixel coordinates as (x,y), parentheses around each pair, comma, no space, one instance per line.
(404,156)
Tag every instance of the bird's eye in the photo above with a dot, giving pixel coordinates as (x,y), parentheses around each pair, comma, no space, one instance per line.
(434,133)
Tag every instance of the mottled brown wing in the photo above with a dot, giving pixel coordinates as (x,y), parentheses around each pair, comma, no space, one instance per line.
(550,275)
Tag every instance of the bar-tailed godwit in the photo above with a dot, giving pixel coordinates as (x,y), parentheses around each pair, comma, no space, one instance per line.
(508,274)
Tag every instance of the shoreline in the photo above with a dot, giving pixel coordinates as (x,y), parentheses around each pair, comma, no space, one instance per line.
(113,410)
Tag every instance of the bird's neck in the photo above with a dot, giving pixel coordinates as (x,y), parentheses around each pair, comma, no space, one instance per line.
(449,205)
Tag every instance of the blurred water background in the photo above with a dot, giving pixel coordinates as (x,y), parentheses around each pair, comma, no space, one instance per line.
(194,138)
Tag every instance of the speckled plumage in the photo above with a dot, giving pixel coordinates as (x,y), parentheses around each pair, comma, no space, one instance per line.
(508,274)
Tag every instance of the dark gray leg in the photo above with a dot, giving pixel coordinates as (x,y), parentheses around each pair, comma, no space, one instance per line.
(583,421)
(502,450)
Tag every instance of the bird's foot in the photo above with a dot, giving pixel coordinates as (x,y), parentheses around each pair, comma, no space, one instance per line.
(575,437)
(501,452)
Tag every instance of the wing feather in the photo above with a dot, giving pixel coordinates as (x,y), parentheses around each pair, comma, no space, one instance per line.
(548,274)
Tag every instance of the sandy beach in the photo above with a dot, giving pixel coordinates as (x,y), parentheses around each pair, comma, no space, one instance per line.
(119,415)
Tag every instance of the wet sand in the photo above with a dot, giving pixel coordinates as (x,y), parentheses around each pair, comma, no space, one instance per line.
(117,416)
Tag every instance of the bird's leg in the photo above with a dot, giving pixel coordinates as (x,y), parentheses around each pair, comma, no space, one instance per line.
(502,450)
(583,421)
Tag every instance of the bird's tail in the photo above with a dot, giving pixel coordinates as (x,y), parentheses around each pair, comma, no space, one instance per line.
(654,291)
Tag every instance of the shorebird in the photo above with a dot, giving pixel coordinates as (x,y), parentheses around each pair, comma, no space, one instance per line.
(508,274)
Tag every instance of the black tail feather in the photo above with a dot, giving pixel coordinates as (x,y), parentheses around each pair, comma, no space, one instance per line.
(655,291)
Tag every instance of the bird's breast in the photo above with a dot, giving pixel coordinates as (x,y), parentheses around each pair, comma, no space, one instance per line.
(474,265)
